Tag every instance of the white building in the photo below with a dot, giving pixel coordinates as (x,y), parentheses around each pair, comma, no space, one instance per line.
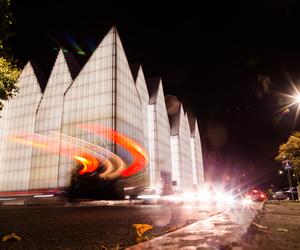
(196,153)
(159,135)
(182,168)
(19,117)
(106,92)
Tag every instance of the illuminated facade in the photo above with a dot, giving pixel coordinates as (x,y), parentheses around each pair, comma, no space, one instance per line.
(180,138)
(19,117)
(159,135)
(106,92)
(196,153)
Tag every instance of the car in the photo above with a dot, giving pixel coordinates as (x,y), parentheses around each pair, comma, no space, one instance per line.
(286,193)
(255,195)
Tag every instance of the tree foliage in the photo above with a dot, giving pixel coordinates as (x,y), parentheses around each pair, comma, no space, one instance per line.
(6,22)
(9,72)
(8,77)
(290,151)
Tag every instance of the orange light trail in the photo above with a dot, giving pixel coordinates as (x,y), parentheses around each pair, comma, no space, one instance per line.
(71,146)
(90,164)
(140,158)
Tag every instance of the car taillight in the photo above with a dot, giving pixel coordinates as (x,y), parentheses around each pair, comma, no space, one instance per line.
(262,196)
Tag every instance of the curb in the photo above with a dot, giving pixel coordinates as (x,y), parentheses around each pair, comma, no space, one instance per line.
(140,245)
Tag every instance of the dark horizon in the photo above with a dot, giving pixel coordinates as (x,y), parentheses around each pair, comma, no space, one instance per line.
(225,62)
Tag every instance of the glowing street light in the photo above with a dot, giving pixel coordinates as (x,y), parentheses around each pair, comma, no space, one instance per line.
(280,172)
(292,99)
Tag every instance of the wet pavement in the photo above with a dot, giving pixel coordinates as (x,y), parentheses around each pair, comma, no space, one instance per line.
(97,226)
(220,231)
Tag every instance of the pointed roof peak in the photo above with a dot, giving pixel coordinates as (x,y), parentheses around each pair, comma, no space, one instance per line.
(73,65)
(114,28)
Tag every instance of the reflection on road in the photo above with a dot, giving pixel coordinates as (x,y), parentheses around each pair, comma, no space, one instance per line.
(226,226)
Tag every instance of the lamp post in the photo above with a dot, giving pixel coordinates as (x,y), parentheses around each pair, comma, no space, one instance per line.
(288,167)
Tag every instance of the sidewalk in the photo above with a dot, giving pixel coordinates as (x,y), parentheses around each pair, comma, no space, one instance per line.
(277,227)
(221,231)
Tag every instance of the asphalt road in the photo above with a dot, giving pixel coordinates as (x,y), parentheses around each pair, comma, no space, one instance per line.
(96,227)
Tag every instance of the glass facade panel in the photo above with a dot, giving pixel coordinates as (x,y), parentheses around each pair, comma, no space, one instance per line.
(159,135)
(44,165)
(144,97)
(90,99)
(129,109)
(104,93)
(199,157)
(185,152)
(176,162)
(181,152)
(19,114)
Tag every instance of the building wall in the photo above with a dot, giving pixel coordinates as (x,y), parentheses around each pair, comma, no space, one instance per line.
(129,118)
(19,114)
(44,165)
(90,99)
(2,126)
(144,96)
(104,93)
(182,171)
(176,162)
(194,161)
(185,152)
(159,135)
(199,157)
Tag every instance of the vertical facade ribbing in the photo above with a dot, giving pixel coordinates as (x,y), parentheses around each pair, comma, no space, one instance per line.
(104,93)
(19,115)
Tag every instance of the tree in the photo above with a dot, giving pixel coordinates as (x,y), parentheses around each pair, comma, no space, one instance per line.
(291,151)
(9,72)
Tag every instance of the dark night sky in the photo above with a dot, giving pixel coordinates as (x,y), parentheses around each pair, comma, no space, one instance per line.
(224,61)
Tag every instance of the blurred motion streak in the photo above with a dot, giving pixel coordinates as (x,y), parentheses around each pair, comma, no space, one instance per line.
(88,154)
(90,164)
(139,154)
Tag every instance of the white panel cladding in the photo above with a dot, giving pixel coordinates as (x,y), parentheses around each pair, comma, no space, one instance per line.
(144,97)
(176,162)
(2,131)
(160,142)
(182,155)
(194,161)
(129,116)
(185,151)
(90,99)
(44,165)
(153,153)
(19,114)
(199,157)
(103,93)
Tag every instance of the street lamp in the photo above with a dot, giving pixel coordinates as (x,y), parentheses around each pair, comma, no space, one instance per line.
(280,172)
(297,97)
(288,167)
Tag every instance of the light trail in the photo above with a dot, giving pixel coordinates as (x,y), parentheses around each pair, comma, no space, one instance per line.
(140,158)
